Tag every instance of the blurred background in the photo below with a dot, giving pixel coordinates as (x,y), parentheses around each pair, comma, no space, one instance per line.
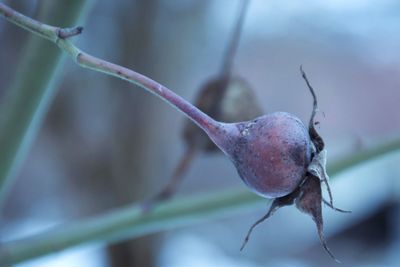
(105,143)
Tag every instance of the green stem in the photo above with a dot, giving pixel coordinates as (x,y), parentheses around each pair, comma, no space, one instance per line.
(129,222)
(348,162)
(24,107)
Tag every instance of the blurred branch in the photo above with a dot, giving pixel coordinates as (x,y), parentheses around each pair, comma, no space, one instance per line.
(365,155)
(129,222)
(23,108)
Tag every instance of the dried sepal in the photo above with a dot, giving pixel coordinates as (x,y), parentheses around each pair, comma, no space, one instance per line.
(314,135)
(335,208)
(311,197)
(309,202)
(318,163)
(277,203)
(317,168)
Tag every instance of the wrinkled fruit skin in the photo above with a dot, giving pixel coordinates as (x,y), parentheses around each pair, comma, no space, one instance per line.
(272,154)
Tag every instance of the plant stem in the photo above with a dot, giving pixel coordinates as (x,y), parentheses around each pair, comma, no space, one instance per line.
(205,122)
(129,222)
(25,104)
(357,158)
(88,61)
(218,132)
(60,37)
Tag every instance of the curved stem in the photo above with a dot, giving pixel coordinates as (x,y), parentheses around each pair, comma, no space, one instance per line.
(205,122)
(209,125)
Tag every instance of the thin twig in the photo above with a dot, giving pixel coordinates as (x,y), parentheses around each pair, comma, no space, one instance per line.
(88,61)
(176,179)
(230,52)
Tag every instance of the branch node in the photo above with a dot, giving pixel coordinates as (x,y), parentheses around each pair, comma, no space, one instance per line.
(65,33)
